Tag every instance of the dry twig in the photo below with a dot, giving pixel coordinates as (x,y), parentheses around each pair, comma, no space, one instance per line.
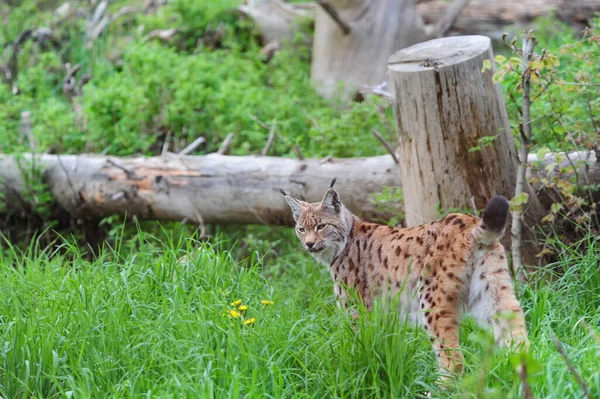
(452,13)
(333,13)
(270,140)
(225,145)
(192,146)
(298,152)
(525,128)
(387,145)
(26,133)
(572,369)
(527,394)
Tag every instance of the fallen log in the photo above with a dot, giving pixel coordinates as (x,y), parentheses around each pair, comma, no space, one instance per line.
(222,189)
(276,19)
(492,17)
(213,189)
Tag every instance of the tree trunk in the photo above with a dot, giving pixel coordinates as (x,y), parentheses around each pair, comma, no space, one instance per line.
(379,29)
(357,54)
(275,18)
(445,105)
(493,17)
(213,188)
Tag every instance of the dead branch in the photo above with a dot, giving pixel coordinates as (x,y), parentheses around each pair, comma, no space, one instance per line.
(387,145)
(453,12)
(9,70)
(26,133)
(523,375)
(270,140)
(270,49)
(167,143)
(298,152)
(261,123)
(200,221)
(333,13)
(571,367)
(225,145)
(192,146)
(99,20)
(525,127)
(328,158)
(163,34)
(69,81)
(377,90)
(73,90)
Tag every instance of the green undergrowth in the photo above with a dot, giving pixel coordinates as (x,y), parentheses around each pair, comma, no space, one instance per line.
(136,322)
(144,92)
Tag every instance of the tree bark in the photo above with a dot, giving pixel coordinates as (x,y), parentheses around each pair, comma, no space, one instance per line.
(223,189)
(275,18)
(445,105)
(214,188)
(493,17)
(377,29)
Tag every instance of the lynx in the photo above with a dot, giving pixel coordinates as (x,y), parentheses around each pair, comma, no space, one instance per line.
(441,270)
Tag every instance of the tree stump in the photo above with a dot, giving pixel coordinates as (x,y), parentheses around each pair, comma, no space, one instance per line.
(353,50)
(455,137)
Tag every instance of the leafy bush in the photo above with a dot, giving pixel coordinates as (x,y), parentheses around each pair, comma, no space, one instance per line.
(564,94)
(185,89)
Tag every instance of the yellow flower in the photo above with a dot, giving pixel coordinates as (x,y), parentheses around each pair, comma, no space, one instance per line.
(250,321)
(234,313)
(235,303)
(242,308)
(266,302)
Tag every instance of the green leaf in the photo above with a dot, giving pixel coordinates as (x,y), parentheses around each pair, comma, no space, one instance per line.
(487,64)
(499,58)
(498,77)
(557,206)
(554,59)
(518,201)
(565,186)
(548,218)
(550,167)
(541,153)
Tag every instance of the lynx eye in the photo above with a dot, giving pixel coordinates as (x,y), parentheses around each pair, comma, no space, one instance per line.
(301,230)
(322,226)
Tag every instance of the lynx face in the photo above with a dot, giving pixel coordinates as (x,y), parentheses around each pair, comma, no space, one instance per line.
(321,227)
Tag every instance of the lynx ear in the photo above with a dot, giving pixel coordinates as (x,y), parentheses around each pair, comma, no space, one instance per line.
(331,201)
(295,205)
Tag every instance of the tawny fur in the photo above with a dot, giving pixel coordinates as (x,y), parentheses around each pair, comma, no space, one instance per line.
(444,270)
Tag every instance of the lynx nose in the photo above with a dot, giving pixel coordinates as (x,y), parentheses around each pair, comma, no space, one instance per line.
(309,245)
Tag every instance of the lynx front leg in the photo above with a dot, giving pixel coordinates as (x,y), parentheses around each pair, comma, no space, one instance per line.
(440,318)
(342,301)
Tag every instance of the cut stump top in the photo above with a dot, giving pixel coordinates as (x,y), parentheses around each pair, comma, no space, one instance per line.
(438,53)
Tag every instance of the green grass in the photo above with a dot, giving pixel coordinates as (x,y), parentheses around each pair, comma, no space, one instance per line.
(138,323)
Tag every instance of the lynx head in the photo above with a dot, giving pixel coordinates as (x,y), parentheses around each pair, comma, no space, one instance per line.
(322,227)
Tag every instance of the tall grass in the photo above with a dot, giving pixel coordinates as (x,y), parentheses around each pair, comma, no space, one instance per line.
(137,322)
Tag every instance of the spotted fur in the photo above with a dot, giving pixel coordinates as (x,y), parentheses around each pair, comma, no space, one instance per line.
(443,270)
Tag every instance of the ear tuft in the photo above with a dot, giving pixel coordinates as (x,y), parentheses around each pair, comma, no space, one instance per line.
(332,182)
(331,201)
(282,192)
(295,205)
